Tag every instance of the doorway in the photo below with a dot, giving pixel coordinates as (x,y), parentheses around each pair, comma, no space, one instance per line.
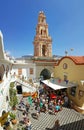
(19,89)
(45,73)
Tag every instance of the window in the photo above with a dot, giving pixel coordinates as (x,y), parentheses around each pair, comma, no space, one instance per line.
(31,70)
(81,93)
(19,71)
(64,66)
(73,91)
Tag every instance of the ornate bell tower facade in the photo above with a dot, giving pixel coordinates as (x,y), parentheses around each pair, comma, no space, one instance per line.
(42,41)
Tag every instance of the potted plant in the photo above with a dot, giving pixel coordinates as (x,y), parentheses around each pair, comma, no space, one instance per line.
(13,118)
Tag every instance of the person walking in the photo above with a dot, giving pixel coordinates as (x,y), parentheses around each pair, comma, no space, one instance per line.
(66,101)
(28,125)
(56,125)
(38,111)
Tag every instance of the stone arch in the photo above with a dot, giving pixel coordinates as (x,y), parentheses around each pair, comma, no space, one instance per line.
(3,112)
(2,70)
(45,73)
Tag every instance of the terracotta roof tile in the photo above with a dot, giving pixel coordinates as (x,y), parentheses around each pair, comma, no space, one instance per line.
(78,59)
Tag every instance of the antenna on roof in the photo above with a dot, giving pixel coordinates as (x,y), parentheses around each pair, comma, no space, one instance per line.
(66,53)
(71,50)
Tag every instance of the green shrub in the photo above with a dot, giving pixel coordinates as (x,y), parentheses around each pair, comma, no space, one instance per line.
(12,116)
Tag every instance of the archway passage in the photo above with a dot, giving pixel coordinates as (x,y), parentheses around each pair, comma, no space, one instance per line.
(45,73)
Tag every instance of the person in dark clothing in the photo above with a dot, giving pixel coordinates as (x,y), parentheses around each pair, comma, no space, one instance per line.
(27,107)
(55,127)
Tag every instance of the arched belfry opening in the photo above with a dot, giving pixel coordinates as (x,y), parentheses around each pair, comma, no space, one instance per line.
(42,40)
(45,73)
(44,50)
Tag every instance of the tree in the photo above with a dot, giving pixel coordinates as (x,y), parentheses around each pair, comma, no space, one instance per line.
(13,96)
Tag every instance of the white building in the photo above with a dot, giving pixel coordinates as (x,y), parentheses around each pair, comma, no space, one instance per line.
(9,70)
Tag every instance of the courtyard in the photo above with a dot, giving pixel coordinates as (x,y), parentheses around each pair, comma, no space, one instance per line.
(69,119)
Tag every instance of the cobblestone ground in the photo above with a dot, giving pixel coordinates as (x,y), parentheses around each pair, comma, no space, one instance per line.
(69,120)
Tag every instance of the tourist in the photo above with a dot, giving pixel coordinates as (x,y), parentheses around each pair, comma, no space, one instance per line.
(66,101)
(43,108)
(50,104)
(41,104)
(24,117)
(28,125)
(46,105)
(38,111)
(22,103)
(56,125)
(27,107)
(57,107)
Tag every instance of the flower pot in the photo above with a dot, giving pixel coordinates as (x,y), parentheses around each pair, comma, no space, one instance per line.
(14,107)
(14,121)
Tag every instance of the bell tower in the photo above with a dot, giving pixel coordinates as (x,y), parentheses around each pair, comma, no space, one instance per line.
(42,40)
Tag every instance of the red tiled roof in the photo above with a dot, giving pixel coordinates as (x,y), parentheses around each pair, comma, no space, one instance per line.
(79,60)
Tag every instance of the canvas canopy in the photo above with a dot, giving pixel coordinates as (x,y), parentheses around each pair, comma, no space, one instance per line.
(56,84)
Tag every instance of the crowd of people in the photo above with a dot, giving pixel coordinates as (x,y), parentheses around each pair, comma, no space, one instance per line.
(47,103)
(44,103)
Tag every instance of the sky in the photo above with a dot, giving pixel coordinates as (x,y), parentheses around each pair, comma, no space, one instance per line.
(65,19)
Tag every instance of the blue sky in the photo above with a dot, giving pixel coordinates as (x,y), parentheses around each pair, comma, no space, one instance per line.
(65,18)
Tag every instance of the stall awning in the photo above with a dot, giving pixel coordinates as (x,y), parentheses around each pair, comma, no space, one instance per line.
(56,84)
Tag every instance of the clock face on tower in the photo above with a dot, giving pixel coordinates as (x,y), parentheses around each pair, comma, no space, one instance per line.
(65,66)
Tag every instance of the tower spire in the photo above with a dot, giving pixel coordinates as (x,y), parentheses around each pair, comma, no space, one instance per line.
(42,41)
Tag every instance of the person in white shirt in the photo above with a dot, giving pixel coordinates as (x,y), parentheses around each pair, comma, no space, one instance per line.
(28,125)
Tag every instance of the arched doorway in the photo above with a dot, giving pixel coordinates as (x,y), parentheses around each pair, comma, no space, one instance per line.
(19,89)
(45,73)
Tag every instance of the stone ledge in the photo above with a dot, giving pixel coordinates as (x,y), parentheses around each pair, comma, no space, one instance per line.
(79,109)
